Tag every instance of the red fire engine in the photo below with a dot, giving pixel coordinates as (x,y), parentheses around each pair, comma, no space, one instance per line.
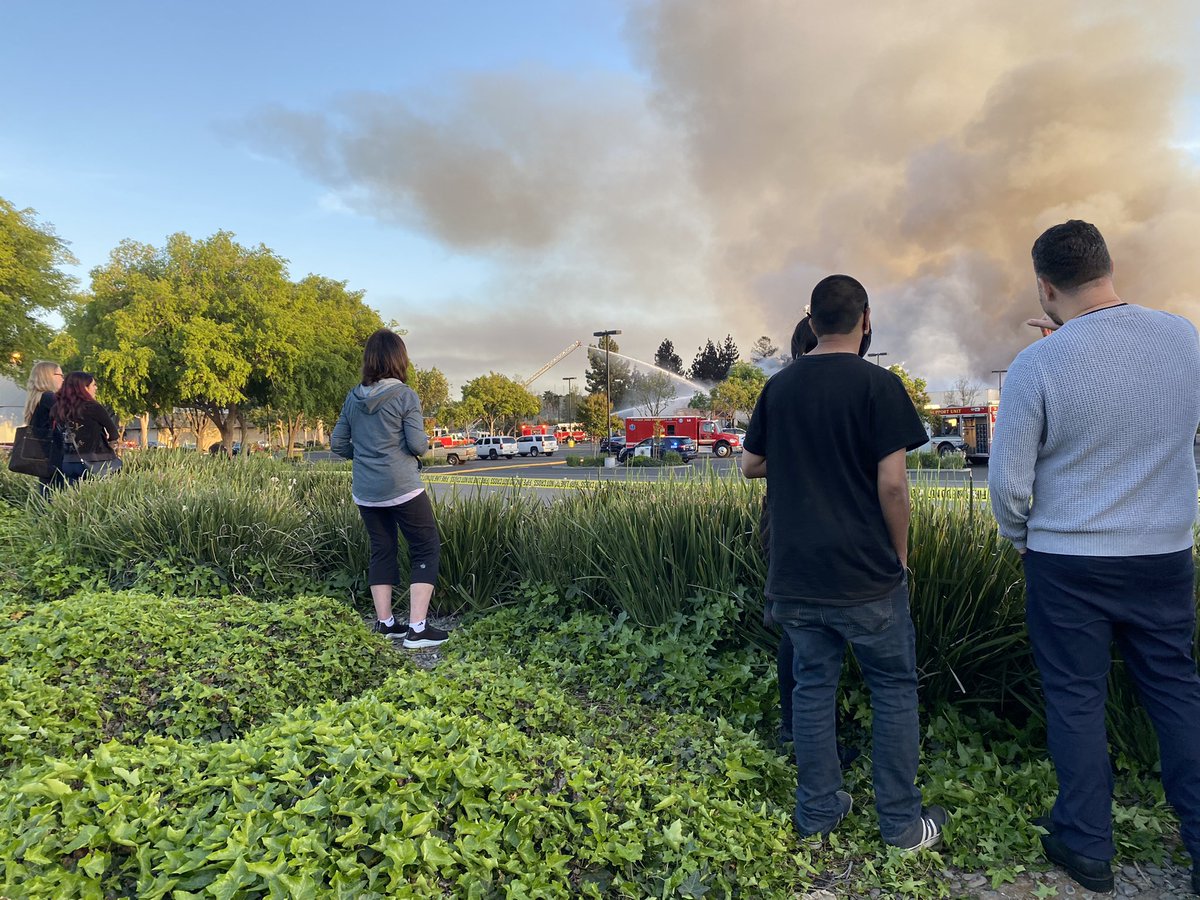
(562,432)
(707,433)
(444,437)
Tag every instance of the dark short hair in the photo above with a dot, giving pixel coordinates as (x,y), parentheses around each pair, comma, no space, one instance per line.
(804,338)
(385,356)
(837,304)
(1071,254)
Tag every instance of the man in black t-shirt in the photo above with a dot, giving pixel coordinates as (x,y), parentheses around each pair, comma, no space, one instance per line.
(830,433)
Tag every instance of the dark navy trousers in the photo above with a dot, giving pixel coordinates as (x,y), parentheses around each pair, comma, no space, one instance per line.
(1076,607)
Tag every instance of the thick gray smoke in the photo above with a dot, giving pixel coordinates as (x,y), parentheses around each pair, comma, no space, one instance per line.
(920,146)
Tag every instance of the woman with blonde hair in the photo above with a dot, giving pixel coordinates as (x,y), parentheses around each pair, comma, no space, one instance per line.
(44,381)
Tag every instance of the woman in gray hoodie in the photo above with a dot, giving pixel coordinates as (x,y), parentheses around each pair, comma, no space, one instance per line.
(382,430)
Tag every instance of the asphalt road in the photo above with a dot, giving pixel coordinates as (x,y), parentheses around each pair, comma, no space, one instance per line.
(491,476)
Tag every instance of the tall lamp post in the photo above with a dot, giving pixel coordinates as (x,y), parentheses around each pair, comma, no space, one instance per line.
(568,379)
(607,382)
(876,356)
(999,373)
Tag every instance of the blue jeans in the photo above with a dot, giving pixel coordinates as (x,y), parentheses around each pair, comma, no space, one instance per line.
(881,634)
(1076,606)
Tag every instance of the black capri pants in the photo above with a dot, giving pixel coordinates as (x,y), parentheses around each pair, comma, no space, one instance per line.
(414,520)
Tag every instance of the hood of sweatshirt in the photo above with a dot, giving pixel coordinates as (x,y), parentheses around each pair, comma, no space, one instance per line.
(372,396)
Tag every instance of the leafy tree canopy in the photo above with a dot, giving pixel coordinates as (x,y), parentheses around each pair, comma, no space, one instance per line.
(619,371)
(501,401)
(665,357)
(31,284)
(917,391)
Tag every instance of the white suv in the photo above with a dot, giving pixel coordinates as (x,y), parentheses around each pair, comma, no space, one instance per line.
(493,447)
(533,444)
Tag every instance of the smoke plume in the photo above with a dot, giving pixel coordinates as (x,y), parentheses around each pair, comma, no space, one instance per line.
(919,146)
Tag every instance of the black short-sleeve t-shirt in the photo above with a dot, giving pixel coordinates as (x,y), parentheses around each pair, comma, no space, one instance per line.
(823,424)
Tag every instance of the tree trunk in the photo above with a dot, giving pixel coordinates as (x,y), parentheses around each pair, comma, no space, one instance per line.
(144,418)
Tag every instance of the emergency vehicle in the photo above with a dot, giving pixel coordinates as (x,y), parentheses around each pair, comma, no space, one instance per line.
(973,425)
(709,435)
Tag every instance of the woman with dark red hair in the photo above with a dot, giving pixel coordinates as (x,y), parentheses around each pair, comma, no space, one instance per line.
(85,428)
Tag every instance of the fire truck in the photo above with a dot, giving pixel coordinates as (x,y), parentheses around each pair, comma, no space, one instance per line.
(562,432)
(973,426)
(707,433)
(444,437)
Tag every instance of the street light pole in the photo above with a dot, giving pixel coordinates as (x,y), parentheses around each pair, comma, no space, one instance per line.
(999,373)
(876,356)
(607,382)
(568,379)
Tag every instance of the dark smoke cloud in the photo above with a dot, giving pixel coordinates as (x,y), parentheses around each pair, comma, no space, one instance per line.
(920,146)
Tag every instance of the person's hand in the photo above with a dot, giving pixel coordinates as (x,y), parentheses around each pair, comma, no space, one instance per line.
(1047,325)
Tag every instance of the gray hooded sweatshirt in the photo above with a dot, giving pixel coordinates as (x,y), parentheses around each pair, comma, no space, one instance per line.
(381,428)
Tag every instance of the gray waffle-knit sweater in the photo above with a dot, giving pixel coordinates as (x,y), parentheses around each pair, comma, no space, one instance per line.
(1092,454)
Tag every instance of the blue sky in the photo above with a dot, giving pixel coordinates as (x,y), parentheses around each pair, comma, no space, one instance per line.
(125,126)
(505,178)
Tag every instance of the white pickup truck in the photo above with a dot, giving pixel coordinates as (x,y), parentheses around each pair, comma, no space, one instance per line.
(943,444)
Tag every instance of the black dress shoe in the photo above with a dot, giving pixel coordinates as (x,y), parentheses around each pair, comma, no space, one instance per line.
(1093,874)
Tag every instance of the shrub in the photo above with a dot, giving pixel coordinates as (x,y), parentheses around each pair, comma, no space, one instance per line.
(98,666)
(672,458)
(385,797)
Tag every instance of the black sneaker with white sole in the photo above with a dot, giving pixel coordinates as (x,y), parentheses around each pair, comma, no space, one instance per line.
(819,837)
(426,637)
(925,832)
(395,630)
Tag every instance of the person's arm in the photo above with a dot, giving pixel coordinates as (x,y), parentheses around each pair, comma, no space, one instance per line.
(892,484)
(1019,433)
(414,427)
(100,414)
(339,440)
(753,465)
(754,444)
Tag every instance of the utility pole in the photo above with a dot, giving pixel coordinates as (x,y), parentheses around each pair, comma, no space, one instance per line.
(876,356)
(999,373)
(607,381)
(568,379)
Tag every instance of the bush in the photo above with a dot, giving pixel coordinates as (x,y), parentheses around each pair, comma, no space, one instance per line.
(399,797)
(672,458)
(98,666)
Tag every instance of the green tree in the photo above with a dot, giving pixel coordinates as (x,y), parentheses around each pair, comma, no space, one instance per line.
(501,400)
(31,284)
(217,327)
(330,325)
(432,388)
(665,357)
(917,392)
(701,401)
(739,392)
(592,415)
(762,349)
(651,392)
(618,369)
(713,362)
(461,414)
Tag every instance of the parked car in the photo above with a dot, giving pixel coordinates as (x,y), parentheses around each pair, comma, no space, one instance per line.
(658,447)
(613,444)
(494,446)
(534,444)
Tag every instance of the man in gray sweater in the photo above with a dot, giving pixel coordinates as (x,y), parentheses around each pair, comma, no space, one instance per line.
(1093,479)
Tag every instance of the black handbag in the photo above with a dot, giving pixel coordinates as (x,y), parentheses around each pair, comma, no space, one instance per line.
(30,454)
(96,465)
